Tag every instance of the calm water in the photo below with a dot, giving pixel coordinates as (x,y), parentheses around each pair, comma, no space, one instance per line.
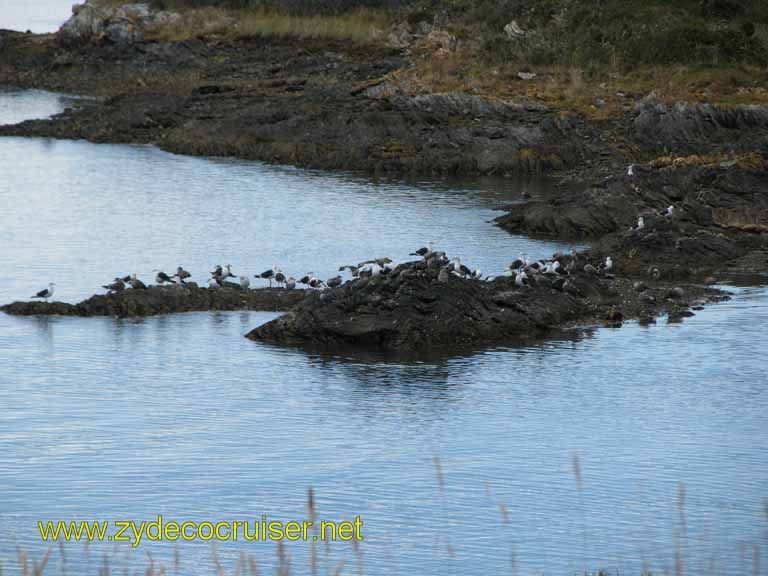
(34,15)
(182,416)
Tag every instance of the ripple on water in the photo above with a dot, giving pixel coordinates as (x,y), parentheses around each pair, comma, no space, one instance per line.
(181,415)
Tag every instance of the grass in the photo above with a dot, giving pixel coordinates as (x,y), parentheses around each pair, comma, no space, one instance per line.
(360,26)
(586,56)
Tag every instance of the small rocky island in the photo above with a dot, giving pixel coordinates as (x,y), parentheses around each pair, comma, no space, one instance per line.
(157,300)
(417,306)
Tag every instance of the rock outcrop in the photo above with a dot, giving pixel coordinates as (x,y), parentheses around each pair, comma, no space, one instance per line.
(412,309)
(123,25)
(164,300)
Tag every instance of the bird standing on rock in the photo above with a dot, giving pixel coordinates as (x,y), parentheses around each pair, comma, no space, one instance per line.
(315,282)
(181,274)
(136,284)
(245,283)
(334,282)
(117,286)
(279,277)
(290,283)
(668,211)
(46,293)
(267,275)
(424,251)
(162,278)
(306,278)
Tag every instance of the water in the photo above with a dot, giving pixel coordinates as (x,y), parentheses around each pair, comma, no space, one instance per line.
(180,415)
(38,16)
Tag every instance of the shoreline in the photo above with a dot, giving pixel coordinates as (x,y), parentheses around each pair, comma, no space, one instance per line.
(334,106)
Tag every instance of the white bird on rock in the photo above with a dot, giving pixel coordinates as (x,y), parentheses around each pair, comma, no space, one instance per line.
(46,293)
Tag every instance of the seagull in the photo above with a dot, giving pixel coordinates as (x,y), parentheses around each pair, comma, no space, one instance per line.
(442,277)
(640,223)
(162,278)
(279,277)
(551,268)
(334,282)
(267,275)
(218,271)
(214,282)
(608,265)
(245,283)
(668,211)
(136,284)
(516,264)
(458,268)
(46,293)
(315,282)
(227,272)
(521,279)
(181,274)
(631,170)
(290,284)
(369,270)
(117,286)
(424,251)
(306,278)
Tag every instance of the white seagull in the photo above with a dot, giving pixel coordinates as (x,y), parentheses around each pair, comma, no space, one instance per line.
(47,293)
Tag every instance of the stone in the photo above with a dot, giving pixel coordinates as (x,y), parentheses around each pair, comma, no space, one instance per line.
(675,293)
(513,31)
(123,25)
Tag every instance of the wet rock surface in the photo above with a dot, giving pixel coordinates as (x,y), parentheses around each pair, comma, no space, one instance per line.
(411,308)
(164,300)
(720,213)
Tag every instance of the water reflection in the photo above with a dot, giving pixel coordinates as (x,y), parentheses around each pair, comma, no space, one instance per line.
(180,415)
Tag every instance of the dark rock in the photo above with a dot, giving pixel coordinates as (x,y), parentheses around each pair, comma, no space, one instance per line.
(164,300)
(417,311)
(675,293)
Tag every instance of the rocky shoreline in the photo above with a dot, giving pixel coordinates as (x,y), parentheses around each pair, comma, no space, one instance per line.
(335,105)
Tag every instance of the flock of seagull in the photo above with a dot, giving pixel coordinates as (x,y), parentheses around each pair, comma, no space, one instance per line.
(523,270)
